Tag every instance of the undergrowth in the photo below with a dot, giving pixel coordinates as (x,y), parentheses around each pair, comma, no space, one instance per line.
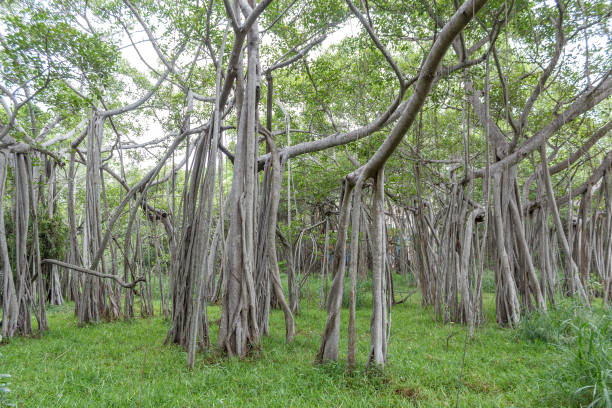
(4,388)
(583,375)
(126,364)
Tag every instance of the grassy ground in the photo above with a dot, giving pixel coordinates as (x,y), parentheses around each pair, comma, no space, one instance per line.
(123,364)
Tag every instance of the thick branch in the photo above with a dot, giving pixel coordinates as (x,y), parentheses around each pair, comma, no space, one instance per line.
(422,87)
(580,105)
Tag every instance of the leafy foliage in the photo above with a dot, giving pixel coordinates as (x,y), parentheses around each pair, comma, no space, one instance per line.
(52,235)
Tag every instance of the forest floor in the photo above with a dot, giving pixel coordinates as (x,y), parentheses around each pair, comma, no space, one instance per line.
(122,364)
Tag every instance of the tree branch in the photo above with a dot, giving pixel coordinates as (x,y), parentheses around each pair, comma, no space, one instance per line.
(94,273)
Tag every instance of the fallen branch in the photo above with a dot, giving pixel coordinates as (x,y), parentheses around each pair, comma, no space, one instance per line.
(399,302)
(94,273)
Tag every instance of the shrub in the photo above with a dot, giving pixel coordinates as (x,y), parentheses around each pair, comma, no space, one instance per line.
(556,326)
(488,281)
(538,327)
(363,293)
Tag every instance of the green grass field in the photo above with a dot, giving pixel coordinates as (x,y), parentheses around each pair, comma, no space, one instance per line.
(125,364)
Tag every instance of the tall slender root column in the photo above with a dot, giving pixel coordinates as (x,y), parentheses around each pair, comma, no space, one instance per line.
(379,321)
(238,328)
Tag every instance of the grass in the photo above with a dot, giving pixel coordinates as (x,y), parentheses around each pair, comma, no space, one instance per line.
(124,363)
(584,336)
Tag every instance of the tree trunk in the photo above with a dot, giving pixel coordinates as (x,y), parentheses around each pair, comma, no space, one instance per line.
(238,328)
(354,256)
(379,320)
(572,267)
(328,351)
(10,304)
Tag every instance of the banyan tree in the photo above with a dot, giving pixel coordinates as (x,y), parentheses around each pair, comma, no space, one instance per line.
(171,157)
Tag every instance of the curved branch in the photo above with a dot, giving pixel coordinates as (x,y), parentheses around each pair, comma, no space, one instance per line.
(299,54)
(94,273)
(580,106)
(605,164)
(422,87)
(367,25)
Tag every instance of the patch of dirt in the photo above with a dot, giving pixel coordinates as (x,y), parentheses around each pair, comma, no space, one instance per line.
(210,360)
(410,393)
